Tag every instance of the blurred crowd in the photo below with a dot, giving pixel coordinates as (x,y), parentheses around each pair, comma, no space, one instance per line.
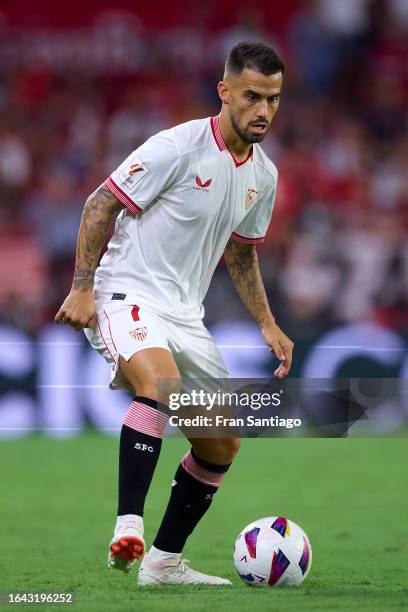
(74,102)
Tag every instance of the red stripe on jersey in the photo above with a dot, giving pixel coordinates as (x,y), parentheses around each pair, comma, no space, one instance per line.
(245,240)
(122,196)
(239,163)
(216,130)
(215,126)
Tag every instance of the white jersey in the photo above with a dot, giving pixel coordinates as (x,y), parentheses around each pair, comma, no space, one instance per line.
(185,196)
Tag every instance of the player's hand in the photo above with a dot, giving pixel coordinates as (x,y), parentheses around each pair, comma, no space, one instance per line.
(78,310)
(280,345)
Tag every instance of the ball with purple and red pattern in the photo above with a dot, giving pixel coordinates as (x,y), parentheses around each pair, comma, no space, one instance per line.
(273,552)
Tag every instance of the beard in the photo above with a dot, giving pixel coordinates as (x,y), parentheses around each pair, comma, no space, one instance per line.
(245,134)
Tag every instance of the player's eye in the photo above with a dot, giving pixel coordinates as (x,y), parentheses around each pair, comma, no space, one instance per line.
(273,99)
(251,96)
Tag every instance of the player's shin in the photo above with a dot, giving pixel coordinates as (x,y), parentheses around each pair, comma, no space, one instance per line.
(140,445)
(195,484)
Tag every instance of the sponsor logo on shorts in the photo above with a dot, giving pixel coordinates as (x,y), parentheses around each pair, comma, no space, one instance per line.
(139,334)
(143,447)
(251,198)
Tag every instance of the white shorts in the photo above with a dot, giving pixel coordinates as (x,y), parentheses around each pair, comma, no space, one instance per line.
(124,329)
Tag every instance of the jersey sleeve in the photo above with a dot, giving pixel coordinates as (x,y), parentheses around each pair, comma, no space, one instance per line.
(253,228)
(145,173)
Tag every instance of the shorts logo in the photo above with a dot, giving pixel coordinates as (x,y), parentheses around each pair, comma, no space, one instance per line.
(139,334)
(251,198)
(133,173)
(200,186)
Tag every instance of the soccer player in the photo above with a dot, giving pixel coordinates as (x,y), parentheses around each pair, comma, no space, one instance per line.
(185,197)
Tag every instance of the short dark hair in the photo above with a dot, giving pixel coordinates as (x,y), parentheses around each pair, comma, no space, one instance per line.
(255,56)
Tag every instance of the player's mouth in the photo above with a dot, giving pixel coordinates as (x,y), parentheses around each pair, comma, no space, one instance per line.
(259,127)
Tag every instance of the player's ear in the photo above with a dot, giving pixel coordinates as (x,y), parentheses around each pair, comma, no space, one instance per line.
(223,92)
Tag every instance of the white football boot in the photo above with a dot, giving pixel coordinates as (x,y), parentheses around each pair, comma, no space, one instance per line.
(127,543)
(173,571)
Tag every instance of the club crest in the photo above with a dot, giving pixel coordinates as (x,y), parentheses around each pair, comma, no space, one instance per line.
(138,334)
(251,198)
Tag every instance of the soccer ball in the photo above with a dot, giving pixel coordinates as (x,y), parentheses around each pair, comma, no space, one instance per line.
(273,552)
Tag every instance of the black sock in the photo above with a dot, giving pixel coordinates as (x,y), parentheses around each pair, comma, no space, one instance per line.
(189,501)
(138,456)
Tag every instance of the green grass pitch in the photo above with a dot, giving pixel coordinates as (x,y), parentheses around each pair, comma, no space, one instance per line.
(57,512)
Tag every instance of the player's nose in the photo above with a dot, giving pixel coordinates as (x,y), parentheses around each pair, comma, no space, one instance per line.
(262,109)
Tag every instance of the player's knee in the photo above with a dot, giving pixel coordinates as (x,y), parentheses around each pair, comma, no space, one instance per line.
(158,387)
(225,450)
(151,378)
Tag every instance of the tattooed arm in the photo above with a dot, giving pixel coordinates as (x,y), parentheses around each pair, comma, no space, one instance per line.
(78,309)
(243,267)
(99,209)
